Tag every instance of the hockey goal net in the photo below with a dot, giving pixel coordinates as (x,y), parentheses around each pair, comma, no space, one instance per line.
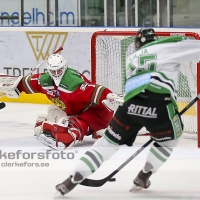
(108,56)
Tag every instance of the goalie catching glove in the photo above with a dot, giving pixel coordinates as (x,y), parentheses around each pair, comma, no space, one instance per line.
(113,100)
(8,85)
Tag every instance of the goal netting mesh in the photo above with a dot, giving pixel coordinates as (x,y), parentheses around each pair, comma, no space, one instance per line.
(108,53)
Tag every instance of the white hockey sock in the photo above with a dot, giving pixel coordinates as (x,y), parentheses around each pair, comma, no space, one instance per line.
(159,153)
(93,159)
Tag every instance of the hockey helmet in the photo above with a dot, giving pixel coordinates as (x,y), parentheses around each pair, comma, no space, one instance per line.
(56,66)
(144,36)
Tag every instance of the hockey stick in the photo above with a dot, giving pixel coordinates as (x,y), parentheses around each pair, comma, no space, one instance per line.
(2,105)
(98,183)
(58,50)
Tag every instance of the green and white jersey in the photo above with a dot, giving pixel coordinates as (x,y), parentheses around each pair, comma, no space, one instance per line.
(155,67)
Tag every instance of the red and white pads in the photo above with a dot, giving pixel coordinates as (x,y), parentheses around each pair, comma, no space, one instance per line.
(38,125)
(53,115)
(8,85)
(64,134)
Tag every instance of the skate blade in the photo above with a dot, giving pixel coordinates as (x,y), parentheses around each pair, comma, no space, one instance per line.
(135,188)
(57,195)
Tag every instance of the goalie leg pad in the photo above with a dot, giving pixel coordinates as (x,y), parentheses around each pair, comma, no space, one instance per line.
(51,142)
(38,125)
(54,114)
(47,137)
(68,131)
(60,133)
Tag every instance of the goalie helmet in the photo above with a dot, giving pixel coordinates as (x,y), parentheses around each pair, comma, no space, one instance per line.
(144,36)
(56,66)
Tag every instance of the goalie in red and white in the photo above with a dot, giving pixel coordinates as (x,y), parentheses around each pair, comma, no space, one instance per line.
(80,107)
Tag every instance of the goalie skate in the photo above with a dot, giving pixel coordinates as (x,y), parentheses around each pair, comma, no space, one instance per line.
(141,181)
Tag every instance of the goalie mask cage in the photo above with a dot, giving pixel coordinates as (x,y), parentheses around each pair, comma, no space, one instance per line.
(108,56)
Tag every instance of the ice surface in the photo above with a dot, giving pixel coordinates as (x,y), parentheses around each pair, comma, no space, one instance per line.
(177,179)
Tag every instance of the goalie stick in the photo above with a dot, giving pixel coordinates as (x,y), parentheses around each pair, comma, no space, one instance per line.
(2,105)
(57,51)
(99,183)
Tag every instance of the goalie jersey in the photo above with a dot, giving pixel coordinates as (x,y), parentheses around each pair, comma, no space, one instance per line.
(155,66)
(74,94)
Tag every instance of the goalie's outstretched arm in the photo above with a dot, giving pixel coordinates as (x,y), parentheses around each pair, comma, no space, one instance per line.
(12,86)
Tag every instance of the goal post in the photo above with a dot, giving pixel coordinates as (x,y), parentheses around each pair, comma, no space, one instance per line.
(198,104)
(108,56)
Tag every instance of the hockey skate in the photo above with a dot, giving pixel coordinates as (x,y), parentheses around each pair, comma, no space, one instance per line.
(141,181)
(69,184)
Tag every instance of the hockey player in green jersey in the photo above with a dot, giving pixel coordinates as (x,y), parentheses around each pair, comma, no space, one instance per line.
(149,101)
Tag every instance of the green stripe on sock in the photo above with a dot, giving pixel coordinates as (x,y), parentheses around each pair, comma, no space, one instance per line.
(109,140)
(169,148)
(100,156)
(88,163)
(157,155)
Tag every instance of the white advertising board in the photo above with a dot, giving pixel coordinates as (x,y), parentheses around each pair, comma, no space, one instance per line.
(23,48)
(23,51)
